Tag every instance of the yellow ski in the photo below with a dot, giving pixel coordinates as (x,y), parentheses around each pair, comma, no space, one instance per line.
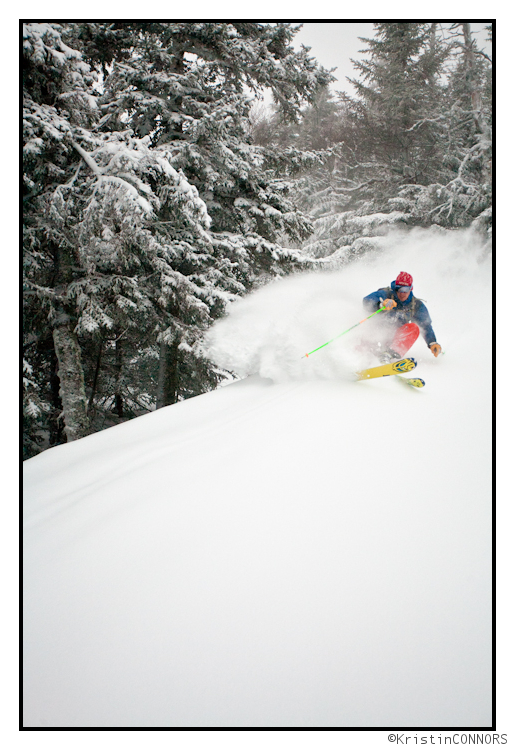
(414,382)
(392,368)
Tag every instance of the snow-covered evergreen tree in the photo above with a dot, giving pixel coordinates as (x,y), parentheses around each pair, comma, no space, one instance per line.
(147,208)
(462,191)
(413,148)
(57,99)
(424,115)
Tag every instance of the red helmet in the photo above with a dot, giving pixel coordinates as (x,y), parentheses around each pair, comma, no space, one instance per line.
(404,279)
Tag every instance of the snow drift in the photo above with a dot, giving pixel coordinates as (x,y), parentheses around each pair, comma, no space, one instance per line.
(292,550)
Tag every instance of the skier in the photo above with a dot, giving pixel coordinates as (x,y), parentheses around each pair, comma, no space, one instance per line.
(407,317)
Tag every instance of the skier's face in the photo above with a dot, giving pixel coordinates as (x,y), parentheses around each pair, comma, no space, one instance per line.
(403,295)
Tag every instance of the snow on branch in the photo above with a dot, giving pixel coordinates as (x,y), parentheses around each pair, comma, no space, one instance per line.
(88,159)
(145,205)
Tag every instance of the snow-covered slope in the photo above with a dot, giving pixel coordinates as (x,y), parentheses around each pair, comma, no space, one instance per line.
(292,550)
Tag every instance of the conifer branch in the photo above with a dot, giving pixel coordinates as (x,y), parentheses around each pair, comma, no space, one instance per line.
(88,159)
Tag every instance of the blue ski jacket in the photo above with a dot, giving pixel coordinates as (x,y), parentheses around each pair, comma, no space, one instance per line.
(413,309)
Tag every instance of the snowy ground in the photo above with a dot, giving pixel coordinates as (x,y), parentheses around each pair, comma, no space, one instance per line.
(292,550)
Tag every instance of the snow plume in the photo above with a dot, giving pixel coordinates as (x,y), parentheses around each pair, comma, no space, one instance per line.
(268,332)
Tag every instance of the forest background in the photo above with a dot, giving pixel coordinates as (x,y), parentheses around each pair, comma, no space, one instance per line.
(157,189)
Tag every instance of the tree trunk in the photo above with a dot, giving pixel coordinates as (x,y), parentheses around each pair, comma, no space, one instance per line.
(71,379)
(168,385)
(118,397)
(56,425)
(471,79)
(433,51)
(475,99)
(95,377)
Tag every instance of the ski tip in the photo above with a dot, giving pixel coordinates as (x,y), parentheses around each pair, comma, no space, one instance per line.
(416,382)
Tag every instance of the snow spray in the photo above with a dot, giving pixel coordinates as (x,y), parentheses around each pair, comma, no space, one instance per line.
(343,332)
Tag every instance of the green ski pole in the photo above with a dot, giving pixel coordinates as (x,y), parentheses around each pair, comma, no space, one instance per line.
(343,332)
